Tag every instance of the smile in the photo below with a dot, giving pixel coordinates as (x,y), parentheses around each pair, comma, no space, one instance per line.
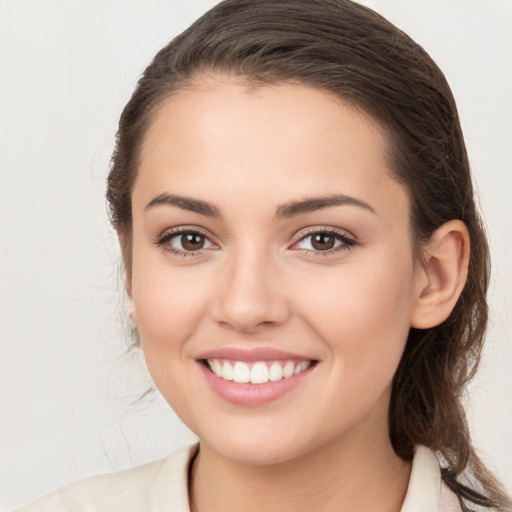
(259,372)
(256,376)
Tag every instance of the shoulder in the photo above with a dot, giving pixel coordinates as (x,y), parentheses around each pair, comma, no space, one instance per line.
(448,501)
(127,488)
(427,492)
(140,489)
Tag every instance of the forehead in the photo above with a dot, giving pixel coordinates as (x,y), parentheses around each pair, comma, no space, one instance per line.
(230,107)
(284,139)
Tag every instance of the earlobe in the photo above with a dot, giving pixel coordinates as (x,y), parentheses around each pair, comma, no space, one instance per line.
(133,316)
(441,278)
(125,243)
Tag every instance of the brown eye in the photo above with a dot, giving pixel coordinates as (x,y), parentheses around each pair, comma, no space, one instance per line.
(192,241)
(323,241)
(185,242)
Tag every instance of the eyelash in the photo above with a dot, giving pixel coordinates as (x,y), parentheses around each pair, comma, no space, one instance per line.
(347,242)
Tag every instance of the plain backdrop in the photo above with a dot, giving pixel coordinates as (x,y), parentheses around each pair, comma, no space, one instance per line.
(68,389)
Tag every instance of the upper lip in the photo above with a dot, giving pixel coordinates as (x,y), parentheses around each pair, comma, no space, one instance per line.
(252,354)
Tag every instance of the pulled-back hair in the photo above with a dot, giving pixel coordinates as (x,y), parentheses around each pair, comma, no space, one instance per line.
(352,52)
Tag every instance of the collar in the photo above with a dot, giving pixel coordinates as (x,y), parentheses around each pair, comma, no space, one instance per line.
(170,487)
(424,489)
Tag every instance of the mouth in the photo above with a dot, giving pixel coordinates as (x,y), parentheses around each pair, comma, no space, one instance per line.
(257,372)
(254,377)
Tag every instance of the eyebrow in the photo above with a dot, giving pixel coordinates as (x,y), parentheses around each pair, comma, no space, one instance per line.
(294,208)
(284,211)
(185,203)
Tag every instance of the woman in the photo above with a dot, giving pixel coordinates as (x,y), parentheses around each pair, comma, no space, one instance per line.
(307,268)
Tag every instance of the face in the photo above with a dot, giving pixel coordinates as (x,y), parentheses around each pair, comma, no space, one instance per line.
(273,279)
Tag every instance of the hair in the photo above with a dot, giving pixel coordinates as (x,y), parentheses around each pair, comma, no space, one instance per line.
(350,51)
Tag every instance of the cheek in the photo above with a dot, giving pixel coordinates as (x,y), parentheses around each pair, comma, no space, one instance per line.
(168,309)
(167,303)
(363,316)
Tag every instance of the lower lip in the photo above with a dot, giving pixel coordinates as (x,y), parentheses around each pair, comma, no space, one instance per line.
(252,394)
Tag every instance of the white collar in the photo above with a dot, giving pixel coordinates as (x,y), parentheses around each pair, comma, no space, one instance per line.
(424,489)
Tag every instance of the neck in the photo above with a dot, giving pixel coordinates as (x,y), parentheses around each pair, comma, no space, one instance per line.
(339,475)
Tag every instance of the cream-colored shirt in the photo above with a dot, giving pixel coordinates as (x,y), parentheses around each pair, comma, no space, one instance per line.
(162,486)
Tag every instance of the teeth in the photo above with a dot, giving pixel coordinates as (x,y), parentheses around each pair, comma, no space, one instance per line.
(276,372)
(288,369)
(305,365)
(217,368)
(227,371)
(241,372)
(259,373)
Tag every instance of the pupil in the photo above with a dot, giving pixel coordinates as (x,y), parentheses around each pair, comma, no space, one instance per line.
(323,242)
(192,241)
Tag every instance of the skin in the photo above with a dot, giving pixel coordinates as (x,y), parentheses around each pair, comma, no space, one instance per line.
(258,282)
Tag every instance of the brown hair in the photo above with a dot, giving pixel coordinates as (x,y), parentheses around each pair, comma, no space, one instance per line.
(351,51)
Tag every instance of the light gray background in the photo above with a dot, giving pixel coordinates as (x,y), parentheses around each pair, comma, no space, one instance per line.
(66,70)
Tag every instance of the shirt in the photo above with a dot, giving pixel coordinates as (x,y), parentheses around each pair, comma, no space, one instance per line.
(162,486)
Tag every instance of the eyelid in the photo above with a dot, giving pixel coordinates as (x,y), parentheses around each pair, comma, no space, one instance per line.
(324,228)
(178,230)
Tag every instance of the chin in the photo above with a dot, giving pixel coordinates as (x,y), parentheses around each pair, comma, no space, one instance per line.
(257,448)
(255,454)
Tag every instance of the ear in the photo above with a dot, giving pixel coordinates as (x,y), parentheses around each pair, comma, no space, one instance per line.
(442,276)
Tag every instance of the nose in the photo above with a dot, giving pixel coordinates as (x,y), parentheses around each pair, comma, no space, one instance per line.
(251,296)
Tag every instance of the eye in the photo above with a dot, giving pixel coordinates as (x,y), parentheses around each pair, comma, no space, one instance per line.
(185,242)
(326,241)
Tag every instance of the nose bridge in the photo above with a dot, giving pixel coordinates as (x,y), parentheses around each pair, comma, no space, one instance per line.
(250,296)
